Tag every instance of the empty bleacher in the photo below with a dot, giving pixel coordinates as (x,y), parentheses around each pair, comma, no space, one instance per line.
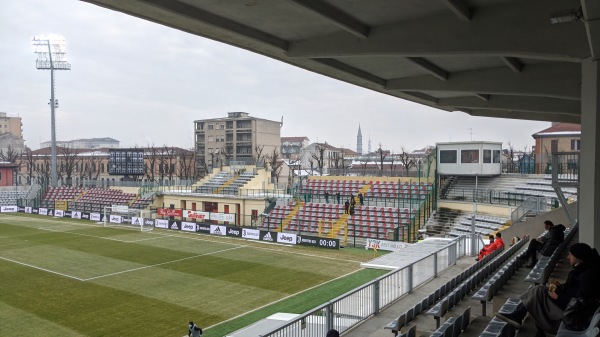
(370,189)
(225,183)
(93,199)
(9,195)
(310,217)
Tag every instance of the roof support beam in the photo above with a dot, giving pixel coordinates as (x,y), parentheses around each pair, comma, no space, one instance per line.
(513,63)
(429,67)
(515,103)
(333,14)
(591,19)
(459,8)
(483,97)
(443,35)
(196,14)
(545,80)
(531,116)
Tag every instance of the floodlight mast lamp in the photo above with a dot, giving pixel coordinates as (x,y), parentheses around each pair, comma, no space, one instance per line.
(51,56)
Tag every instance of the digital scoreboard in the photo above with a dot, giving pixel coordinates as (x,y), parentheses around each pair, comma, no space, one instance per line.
(126,162)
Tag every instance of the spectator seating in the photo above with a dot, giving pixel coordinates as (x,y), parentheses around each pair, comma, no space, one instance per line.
(9,196)
(66,193)
(367,221)
(541,271)
(379,189)
(488,290)
(591,331)
(225,183)
(453,326)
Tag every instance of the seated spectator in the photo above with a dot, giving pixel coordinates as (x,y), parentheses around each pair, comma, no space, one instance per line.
(547,304)
(333,333)
(552,238)
(498,243)
(535,245)
(487,249)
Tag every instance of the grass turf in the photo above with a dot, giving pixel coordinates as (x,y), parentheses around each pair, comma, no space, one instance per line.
(78,279)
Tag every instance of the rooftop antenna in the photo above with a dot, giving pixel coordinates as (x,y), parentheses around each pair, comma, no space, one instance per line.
(51,55)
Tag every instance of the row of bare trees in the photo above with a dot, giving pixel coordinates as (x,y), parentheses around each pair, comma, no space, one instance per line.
(160,163)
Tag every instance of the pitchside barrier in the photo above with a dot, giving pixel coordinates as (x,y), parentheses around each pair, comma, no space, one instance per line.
(194,227)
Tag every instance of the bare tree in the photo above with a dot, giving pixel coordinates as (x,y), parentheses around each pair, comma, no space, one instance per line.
(89,167)
(26,158)
(151,161)
(187,168)
(406,160)
(259,158)
(43,169)
(276,165)
(392,164)
(364,161)
(319,157)
(168,160)
(10,155)
(68,163)
(429,160)
(382,155)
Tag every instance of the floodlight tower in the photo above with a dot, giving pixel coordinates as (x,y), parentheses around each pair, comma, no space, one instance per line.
(51,55)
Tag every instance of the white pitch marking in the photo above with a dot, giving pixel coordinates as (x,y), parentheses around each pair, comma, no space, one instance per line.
(159,264)
(44,269)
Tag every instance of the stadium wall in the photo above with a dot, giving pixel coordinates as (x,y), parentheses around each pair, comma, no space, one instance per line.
(499,210)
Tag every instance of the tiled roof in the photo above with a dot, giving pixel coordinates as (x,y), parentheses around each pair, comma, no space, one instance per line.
(560,128)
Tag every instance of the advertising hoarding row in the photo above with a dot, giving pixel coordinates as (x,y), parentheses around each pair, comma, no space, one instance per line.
(221,230)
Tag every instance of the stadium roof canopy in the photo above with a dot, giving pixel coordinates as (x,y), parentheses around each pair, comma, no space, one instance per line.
(497,58)
(518,59)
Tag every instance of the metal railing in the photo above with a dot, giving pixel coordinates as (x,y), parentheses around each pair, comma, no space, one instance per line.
(531,206)
(486,196)
(565,169)
(355,306)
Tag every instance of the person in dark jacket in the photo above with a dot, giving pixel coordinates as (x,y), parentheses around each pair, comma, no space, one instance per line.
(333,333)
(546,304)
(557,236)
(536,245)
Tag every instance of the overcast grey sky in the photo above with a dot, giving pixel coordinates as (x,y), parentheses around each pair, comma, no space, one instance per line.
(143,84)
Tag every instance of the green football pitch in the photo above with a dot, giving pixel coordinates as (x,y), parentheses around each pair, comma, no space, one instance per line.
(63,277)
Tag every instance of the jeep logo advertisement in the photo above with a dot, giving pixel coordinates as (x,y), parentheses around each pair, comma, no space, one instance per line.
(59,213)
(8,209)
(286,238)
(116,219)
(188,226)
(95,216)
(234,231)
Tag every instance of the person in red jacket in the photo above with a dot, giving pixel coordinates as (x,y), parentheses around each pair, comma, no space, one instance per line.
(498,243)
(487,249)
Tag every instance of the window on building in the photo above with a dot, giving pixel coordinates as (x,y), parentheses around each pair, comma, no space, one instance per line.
(448,156)
(469,156)
(575,144)
(210,127)
(496,158)
(487,156)
(554,146)
(222,126)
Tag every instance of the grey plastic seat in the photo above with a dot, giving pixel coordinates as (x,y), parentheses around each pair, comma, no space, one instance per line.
(591,331)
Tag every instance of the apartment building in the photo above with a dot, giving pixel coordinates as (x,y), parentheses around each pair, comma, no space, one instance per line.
(237,137)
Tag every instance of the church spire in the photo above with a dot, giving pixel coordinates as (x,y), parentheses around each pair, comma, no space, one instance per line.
(359,141)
